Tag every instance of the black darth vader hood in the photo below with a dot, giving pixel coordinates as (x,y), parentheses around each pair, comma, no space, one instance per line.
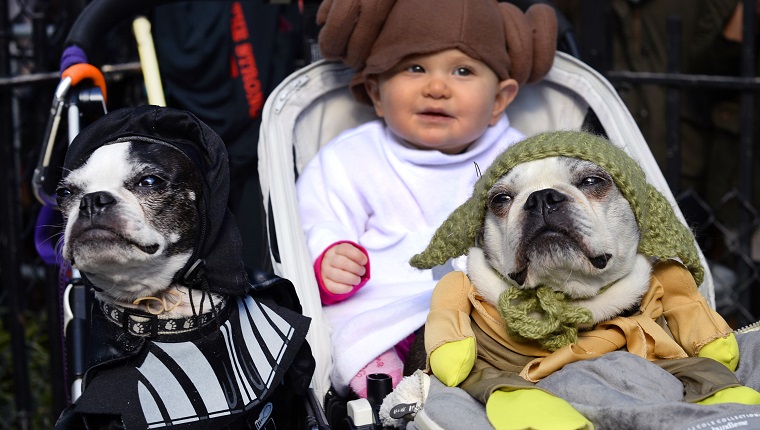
(216,258)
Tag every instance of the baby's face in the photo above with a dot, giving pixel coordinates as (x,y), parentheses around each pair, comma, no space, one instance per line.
(442,101)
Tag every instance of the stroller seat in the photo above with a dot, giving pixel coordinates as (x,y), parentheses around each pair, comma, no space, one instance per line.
(314,104)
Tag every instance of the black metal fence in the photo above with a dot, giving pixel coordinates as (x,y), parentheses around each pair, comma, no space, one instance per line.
(32,389)
(727,244)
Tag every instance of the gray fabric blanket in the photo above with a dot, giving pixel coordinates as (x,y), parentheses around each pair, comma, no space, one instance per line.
(619,391)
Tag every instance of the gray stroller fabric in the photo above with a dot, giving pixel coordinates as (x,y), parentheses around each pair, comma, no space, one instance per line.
(449,408)
(616,391)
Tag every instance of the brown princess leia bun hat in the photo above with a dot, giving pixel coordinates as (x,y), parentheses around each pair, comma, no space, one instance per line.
(372,36)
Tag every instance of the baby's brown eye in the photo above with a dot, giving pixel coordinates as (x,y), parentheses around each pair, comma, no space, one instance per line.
(463,71)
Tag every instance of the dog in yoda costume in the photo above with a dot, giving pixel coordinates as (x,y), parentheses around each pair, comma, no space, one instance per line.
(571,255)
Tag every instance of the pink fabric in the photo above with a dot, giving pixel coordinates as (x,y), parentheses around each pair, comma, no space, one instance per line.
(402,348)
(388,363)
(329,298)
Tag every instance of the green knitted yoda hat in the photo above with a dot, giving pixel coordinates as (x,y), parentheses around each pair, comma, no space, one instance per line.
(662,234)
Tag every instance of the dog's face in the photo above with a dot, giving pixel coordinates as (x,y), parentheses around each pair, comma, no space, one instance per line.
(131,217)
(560,222)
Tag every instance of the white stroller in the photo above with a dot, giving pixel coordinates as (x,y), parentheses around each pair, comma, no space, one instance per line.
(313,105)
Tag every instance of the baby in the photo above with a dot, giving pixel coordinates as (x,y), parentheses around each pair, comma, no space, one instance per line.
(440,75)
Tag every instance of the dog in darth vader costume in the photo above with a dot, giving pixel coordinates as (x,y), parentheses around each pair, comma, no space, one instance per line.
(182,335)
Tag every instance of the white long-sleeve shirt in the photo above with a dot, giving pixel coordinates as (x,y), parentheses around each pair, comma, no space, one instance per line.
(369,187)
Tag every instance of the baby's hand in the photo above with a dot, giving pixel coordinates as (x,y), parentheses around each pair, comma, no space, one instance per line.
(343,266)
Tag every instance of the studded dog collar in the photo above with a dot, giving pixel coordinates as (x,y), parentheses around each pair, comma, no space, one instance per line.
(143,324)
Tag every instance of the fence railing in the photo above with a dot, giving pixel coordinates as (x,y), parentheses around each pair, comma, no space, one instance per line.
(737,273)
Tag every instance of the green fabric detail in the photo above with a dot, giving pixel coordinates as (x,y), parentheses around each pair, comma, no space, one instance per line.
(662,234)
(543,315)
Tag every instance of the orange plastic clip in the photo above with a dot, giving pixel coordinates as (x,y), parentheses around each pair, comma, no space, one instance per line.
(82,71)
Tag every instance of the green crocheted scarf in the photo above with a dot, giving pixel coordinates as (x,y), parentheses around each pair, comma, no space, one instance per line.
(663,235)
(542,315)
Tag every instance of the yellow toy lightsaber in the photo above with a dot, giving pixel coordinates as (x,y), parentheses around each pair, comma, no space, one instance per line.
(148,61)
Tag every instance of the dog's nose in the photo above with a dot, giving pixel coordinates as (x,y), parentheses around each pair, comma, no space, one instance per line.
(95,203)
(544,201)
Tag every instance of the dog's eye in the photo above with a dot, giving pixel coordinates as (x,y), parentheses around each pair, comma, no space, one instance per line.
(150,182)
(591,180)
(62,192)
(501,199)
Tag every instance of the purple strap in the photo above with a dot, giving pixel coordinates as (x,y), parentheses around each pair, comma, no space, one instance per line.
(72,55)
(46,234)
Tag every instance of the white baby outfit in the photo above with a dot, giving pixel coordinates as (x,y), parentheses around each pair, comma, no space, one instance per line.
(370,187)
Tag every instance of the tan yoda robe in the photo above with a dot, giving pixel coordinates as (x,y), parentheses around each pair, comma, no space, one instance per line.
(673,321)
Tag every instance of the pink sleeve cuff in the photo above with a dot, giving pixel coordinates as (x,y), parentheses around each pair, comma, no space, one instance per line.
(327,297)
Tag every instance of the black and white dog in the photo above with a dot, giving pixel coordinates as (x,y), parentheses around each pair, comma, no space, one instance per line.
(180,337)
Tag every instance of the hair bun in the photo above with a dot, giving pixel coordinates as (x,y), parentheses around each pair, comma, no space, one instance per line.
(543,22)
(350,27)
(531,40)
